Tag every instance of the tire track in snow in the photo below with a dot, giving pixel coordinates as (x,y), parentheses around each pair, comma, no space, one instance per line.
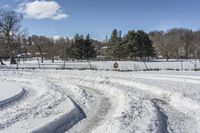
(92,121)
(166,96)
(162,119)
(122,119)
(101,110)
(177,101)
(180,103)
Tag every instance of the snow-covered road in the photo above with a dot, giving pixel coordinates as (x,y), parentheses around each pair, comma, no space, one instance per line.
(102,101)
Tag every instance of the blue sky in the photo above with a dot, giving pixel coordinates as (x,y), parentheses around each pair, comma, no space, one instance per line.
(100,17)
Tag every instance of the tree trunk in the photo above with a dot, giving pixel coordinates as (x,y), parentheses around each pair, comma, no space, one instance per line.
(177,56)
(12,58)
(42,59)
(52,60)
(167,58)
(186,52)
(41,54)
(199,57)
(1,62)
(145,65)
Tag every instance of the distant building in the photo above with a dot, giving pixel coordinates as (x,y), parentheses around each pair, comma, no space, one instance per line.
(24,55)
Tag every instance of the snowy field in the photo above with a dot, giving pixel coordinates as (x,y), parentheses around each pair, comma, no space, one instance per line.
(172,64)
(75,101)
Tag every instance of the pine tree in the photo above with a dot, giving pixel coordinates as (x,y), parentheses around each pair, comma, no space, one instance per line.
(138,44)
(114,36)
(130,43)
(82,47)
(77,46)
(115,45)
(89,50)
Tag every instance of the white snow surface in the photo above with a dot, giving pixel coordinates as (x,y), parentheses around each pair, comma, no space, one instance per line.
(75,101)
(162,64)
(43,109)
(10,91)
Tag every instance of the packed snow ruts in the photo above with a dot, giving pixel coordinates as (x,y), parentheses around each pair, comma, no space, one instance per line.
(129,95)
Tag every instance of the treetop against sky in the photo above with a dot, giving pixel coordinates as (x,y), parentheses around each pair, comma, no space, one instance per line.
(100,17)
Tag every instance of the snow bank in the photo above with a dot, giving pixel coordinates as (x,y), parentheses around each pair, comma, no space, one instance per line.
(46,107)
(62,122)
(10,92)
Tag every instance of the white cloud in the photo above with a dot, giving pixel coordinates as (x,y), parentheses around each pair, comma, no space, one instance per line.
(60,16)
(42,10)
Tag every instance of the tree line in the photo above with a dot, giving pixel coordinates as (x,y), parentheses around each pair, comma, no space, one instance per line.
(179,43)
(134,45)
(13,41)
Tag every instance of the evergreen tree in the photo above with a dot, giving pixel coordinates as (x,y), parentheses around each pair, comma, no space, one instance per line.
(82,47)
(78,46)
(114,36)
(145,46)
(138,44)
(130,44)
(148,49)
(115,45)
(89,50)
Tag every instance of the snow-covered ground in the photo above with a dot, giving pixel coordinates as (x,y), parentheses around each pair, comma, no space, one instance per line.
(108,65)
(44,108)
(10,92)
(75,101)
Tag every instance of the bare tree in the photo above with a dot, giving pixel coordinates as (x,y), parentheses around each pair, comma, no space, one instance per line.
(51,48)
(38,43)
(9,27)
(2,50)
(174,43)
(63,44)
(196,44)
(161,43)
(173,37)
(187,38)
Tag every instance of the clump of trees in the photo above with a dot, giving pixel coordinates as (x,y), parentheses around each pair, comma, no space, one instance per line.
(82,48)
(78,48)
(115,46)
(177,43)
(134,45)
